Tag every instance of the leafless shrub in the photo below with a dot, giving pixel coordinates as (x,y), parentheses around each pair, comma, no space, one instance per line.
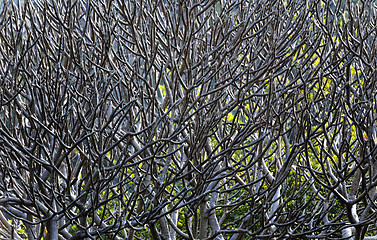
(188,119)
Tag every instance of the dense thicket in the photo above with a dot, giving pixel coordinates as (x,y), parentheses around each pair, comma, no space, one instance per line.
(188,119)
